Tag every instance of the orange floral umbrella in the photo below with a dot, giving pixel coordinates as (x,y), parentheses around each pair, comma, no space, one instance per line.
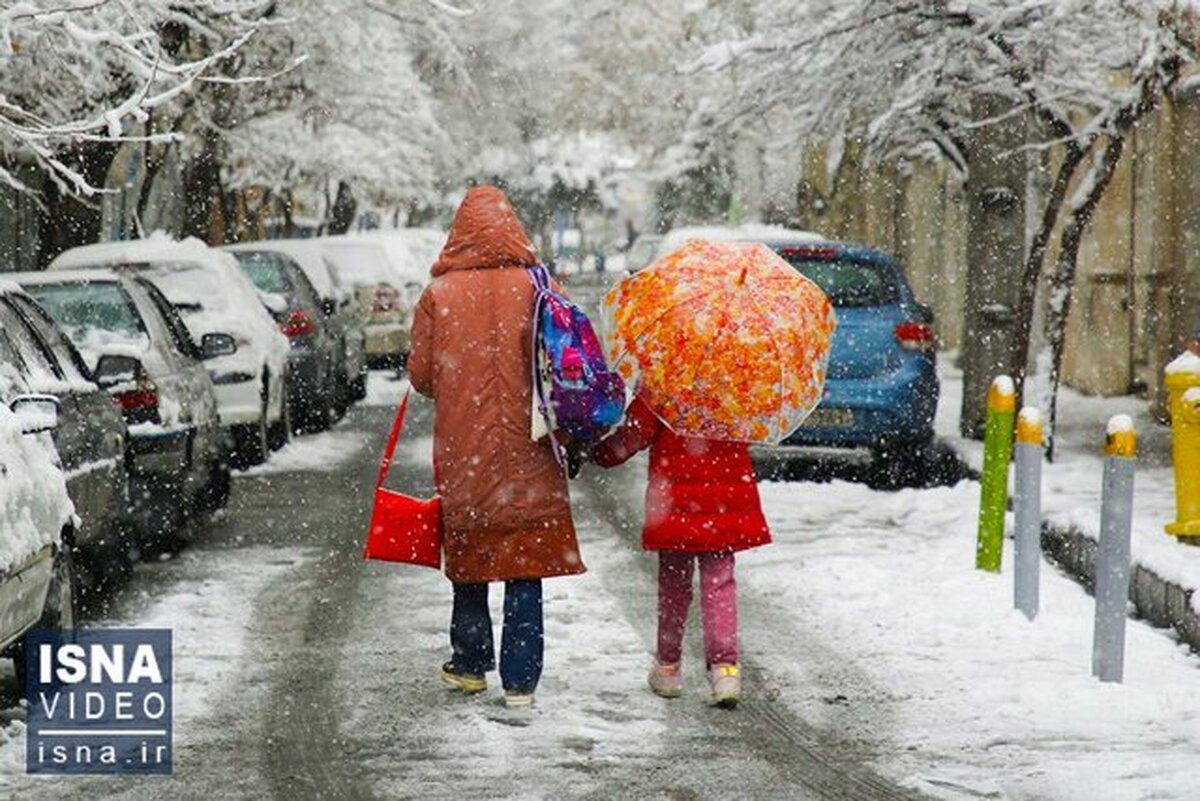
(727,340)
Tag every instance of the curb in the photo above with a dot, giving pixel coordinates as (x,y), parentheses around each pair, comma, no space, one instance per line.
(1161,603)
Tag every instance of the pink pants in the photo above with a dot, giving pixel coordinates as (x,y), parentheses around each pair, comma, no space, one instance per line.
(718,605)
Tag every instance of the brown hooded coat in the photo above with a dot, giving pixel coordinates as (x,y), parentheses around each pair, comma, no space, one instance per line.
(505,509)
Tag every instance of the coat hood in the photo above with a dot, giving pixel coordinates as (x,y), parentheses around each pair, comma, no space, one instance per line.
(485,234)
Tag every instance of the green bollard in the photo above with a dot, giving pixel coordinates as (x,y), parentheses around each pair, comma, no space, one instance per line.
(997,452)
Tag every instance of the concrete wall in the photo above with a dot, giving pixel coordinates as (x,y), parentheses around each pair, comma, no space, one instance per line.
(914,209)
(1138,289)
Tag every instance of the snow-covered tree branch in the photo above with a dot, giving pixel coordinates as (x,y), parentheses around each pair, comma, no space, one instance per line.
(911,78)
(73,73)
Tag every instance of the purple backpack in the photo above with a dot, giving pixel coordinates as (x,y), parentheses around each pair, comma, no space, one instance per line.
(576,393)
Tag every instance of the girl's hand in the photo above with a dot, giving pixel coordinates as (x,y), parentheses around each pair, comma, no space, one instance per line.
(577,454)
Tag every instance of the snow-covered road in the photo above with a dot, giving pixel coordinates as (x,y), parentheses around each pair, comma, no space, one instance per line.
(879,663)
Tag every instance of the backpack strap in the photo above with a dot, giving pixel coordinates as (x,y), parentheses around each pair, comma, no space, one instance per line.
(541,290)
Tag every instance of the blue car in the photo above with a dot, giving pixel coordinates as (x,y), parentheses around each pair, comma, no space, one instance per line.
(881,387)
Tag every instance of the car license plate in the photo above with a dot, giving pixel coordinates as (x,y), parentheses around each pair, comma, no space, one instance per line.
(829,418)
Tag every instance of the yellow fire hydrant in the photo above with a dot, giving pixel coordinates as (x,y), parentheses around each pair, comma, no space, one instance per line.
(1182,378)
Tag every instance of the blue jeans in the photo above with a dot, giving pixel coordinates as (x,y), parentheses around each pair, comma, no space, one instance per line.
(521,644)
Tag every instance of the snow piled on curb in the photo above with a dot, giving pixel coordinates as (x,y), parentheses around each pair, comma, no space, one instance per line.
(384,389)
(983,700)
(326,452)
(1071,485)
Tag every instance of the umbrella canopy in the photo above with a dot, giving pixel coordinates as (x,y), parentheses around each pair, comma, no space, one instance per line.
(727,340)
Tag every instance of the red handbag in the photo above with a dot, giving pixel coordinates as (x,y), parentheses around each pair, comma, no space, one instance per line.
(403,528)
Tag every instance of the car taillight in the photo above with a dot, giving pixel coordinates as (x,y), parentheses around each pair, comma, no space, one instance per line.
(298,323)
(138,405)
(915,336)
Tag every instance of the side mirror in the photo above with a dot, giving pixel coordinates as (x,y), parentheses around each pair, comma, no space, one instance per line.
(113,369)
(35,412)
(329,307)
(214,345)
(923,313)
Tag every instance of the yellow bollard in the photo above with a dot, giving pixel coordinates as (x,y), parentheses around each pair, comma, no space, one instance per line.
(1182,378)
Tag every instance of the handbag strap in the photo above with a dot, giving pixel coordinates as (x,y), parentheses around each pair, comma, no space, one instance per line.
(390,449)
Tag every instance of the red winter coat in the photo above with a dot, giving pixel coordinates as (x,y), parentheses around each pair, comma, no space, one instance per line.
(505,509)
(702,496)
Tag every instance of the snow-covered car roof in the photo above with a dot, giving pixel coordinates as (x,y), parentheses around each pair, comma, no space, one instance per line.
(156,248)
(34,506)
(411,251)
(64,276)
(359,263)
(308,253)
(750,232)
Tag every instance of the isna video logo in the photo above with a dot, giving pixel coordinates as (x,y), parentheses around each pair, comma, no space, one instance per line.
(99,701)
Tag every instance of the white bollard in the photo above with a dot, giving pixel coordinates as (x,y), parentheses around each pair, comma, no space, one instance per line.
(1027,508)
(1112,557)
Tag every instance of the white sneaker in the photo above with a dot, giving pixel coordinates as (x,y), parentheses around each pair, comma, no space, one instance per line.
(725,685)
(515,699)
(666,680)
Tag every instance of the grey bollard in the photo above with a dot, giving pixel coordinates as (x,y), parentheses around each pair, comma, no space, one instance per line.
(1027,508)
(1112,557)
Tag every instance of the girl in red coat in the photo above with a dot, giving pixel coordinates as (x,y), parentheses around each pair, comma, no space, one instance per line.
(701,506)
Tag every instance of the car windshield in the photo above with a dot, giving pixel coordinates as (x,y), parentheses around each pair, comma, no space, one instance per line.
(848,282)
(94,314)
(265,271)
(90,305)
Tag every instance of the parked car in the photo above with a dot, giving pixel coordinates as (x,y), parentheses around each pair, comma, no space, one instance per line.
(214,296)
(312,358)
(410,251)
(37,570)
(364,268)
(774,236)
(338,307)
(139,349)
(881,386)
(90,434)
(641,252)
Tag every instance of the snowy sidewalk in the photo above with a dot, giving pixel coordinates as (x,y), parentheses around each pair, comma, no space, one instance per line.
(976,700)
(867,617)
(1170,576)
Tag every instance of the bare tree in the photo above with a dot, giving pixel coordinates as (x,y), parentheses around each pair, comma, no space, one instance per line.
(79,72)
(908,78)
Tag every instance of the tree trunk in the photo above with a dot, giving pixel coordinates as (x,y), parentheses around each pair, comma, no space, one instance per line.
(1063,279)
(1032,271)
(203,191)
(344,209)
(995,253)
(67,220)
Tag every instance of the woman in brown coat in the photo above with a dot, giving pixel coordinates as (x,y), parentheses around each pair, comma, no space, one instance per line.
(505,510)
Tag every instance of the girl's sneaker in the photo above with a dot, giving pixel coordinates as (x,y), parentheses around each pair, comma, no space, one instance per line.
(468,683)
(725,685)
(518,699)
(666,680)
